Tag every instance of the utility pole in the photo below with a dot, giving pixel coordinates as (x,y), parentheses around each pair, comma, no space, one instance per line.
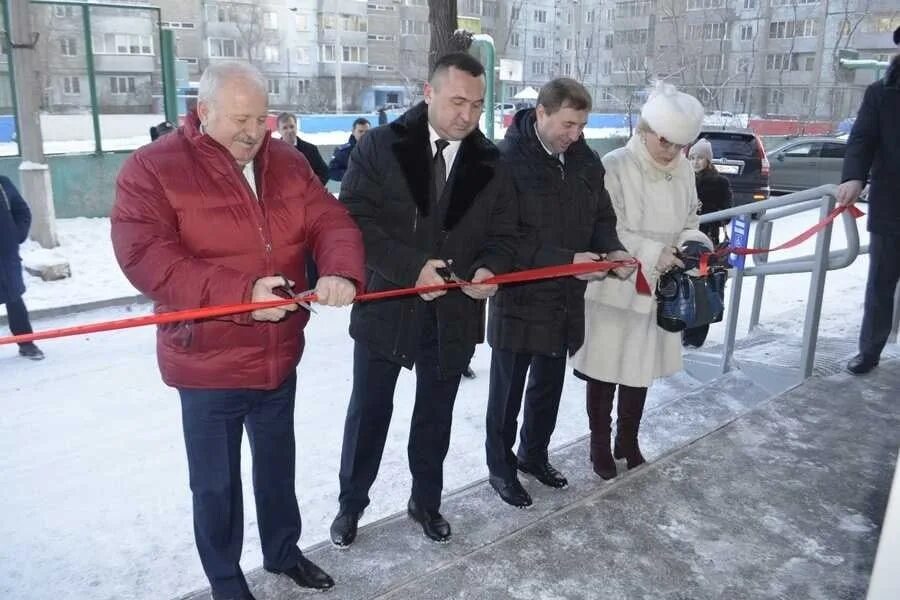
(338,81)
(33,171)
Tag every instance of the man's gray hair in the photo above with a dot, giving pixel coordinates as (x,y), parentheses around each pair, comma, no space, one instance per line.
(217,73)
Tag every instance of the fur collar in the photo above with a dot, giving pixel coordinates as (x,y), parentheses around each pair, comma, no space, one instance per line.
(472,170)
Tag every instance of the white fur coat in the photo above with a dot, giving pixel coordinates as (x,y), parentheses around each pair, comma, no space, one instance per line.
(656,206)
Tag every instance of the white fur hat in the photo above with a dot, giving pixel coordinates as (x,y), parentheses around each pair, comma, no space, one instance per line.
(702,149)
(673,115)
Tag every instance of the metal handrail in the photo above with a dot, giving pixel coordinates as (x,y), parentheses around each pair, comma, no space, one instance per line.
(818,264)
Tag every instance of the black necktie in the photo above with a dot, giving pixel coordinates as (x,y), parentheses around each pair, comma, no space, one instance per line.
(440,169)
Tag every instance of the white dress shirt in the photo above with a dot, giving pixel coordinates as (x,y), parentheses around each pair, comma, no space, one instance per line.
(449,152)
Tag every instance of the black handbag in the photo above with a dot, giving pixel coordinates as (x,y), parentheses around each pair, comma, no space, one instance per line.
(685,301)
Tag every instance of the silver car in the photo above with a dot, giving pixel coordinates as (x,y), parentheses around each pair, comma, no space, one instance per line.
(806,162)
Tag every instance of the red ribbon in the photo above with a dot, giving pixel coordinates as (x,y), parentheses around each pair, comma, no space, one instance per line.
(641,285)
(210,312)
(794,241)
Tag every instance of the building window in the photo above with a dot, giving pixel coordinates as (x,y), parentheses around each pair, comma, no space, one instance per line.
(540,16)
(354,23)
(538,68)
(706,31)
(809,63)
(776,96)
(301,22)
(740,96)
(223,48)
(303,86)
(539,42)
(411,27)
(804,97)
(71,86)
(122,43)
(782,62)
(589,17)
(356,54)
(749,4)
(712,62)
(328,21)
(588,68)
(177,25)
(704,4)
(634,8)
(789,29)
(67,47)
(273,86)
(567,69)
(568,44)
(469,7)
(327,53)
(515,13)
(631,36)
(271,54)
(63,11)
(514,39)
(303,56)
(121,85)
(607,67)
(489,9)
(220,14)
(746,32)
(743,64)
(270,20)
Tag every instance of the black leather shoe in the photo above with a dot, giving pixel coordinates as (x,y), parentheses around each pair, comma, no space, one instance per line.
(31,351)
(469,373)
(306,574)
(343,528)
(433,524)
(511,491)
(862,363)
(544,472)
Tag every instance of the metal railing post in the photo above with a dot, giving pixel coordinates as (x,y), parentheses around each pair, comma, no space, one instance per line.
(816,291)
(487,42)
(91,74)
(763,240)
(734,309)
(170,93)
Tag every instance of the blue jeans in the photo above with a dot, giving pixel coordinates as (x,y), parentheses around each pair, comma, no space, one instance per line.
(214,420)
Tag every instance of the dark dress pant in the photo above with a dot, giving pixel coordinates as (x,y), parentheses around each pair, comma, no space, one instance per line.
(884,273)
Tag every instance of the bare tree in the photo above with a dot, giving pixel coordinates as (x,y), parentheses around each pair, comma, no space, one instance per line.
(442,18)
(248,20)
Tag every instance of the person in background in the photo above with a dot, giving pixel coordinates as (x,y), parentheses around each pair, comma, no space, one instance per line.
(429,195)
(714,193)
(382,116)
(341,157)
(873,155)
(713,188)
(15,221)
(217,213)
(654,193)
(160,130)
(567,217)
(287,127)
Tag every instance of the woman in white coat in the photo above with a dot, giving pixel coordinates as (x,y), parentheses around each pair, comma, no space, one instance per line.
(653,191)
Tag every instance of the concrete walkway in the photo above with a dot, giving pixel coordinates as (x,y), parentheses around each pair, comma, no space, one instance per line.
(744,498)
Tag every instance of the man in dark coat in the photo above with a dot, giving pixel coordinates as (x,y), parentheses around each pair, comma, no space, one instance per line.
(337,167)
(15,221)
(218,213)
(873,155)
(567,217)
(287,127)
(429,196)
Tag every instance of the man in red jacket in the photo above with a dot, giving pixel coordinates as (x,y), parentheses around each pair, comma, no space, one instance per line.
(216,213)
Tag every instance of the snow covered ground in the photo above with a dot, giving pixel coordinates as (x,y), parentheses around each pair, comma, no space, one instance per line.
(96,503)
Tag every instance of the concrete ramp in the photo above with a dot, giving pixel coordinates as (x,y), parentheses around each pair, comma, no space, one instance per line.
(744,497)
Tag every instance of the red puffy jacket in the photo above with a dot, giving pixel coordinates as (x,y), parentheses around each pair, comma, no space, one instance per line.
(188,232)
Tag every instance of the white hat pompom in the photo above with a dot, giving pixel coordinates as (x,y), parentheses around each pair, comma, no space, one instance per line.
(673,115)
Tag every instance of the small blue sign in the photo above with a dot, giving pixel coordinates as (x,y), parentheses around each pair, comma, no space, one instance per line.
(740,233)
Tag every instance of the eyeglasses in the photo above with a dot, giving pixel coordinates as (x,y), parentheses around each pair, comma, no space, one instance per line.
(666,144)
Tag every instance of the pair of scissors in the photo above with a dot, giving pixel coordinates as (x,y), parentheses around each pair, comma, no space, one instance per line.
(285,291)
